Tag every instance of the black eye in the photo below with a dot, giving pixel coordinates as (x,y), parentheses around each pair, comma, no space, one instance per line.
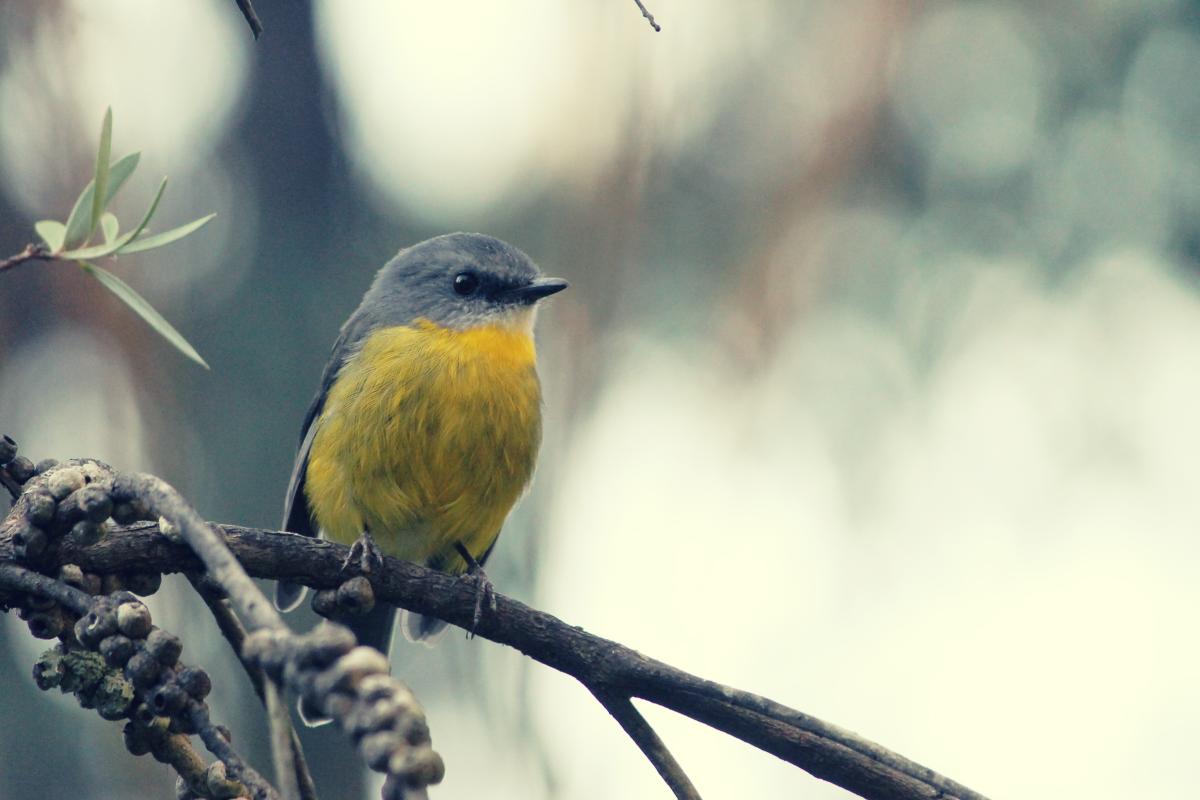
(466,283)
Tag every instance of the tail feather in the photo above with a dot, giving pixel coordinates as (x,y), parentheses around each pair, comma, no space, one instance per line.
(419,628)
(289,595)
(374,629)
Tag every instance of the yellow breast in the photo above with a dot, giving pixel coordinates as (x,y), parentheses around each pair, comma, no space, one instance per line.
(428,436)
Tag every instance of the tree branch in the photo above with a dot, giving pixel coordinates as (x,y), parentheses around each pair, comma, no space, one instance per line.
(327,670)
(824,750)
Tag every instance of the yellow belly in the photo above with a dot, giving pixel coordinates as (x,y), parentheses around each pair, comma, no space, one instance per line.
(428,437)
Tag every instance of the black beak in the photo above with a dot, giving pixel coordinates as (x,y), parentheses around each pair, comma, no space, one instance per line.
(532,292)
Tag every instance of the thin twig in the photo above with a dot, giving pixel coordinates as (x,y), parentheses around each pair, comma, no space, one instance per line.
(32,252)
(231,628)
(251,17)
(648,16)
(25,580)
(644,736)
(219,746)
(281,743)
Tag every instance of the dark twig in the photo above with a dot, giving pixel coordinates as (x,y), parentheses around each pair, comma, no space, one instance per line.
(25,580)
(648,16)
(32,252)
(826,751)
(231,628)
(644,736)
(251,17)
(216,743)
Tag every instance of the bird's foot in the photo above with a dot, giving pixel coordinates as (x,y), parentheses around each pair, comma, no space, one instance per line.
(364,555)
(485,592)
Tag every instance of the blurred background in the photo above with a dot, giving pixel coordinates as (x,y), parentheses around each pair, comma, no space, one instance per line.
(875,390)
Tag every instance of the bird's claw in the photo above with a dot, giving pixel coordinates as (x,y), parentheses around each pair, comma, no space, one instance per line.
(364,554)
(484,590)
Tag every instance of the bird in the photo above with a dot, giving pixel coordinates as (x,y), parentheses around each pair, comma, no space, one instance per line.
(426,427)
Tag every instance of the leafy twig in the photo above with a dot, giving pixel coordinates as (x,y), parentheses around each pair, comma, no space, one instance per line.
(71,240)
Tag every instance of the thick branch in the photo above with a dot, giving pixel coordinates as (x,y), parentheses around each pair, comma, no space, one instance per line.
(826,751)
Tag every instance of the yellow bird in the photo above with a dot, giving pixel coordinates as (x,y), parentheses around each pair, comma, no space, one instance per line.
(426,427)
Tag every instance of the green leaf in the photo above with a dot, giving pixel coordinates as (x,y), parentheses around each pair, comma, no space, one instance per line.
(52,232)
(144,310)
(97,250)
(110,226)
(100,181)
(77,223)
(150,211)
(164,238)
(118,173)
(102,250)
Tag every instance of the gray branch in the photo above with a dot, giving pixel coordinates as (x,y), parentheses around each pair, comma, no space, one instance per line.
(822,749)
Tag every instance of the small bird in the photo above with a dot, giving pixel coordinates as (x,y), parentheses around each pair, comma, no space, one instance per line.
(426,427)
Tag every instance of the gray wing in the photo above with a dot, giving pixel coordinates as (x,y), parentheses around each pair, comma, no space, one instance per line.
(297,516)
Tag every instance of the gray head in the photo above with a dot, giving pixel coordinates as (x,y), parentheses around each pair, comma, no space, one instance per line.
(460,280)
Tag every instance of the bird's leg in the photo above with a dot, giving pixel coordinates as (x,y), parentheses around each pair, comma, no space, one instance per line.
(365,552)
(483,586)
